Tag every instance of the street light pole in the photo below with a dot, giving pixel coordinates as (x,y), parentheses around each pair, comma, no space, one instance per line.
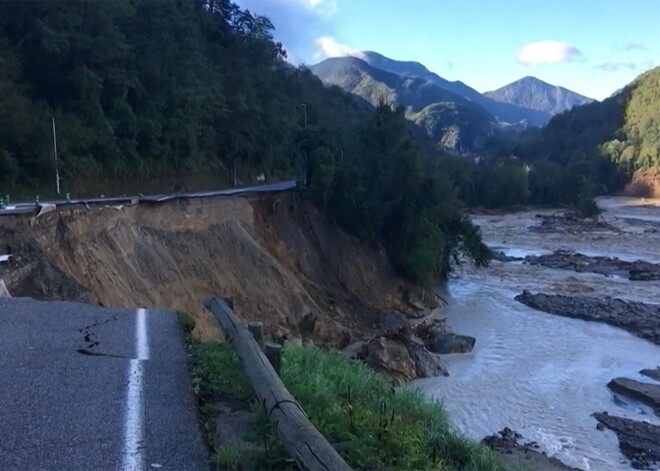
(57,172)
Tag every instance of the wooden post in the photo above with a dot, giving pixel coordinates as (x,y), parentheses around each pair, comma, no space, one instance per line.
(302,440)
(257,329)
(274,354)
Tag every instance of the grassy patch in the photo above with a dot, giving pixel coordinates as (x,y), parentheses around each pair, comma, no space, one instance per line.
(217,373)
(372,424)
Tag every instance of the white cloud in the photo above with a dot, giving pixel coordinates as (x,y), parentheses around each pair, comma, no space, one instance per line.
(325,8)
(548,52)
(327,46)
(616,66)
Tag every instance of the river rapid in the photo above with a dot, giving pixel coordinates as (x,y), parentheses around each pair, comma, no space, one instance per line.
(541,374)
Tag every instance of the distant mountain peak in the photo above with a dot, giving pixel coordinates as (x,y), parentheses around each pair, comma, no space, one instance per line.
(533,93)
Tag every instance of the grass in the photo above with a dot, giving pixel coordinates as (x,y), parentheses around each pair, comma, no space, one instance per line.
(371,423)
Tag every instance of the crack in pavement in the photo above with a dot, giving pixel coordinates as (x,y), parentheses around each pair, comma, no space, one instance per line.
(91,341)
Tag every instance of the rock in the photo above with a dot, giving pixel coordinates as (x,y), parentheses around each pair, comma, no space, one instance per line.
(402,355)
(639,441)
(639,270)
(644,392)
(453,343)
(600,426)
(502,257)
(354,350)
(513,453)
(653,374)
(570,223)
(427,364)
(641,319)
(391,357)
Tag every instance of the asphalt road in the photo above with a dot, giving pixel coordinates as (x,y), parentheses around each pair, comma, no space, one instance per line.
(87,388)
(27,208)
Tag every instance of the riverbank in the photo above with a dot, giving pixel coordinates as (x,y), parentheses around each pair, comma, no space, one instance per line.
(544,375)
(370,423)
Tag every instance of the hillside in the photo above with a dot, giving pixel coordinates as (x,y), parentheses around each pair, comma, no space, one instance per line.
(453,122)
(535,94)
(505,112)
(607,142)
(143,90)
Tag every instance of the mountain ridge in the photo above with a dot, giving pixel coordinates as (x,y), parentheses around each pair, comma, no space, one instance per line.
(455,123)
(505,112)
(533,93)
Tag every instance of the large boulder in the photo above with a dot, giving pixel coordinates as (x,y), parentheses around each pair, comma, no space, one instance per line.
(390,357)
(438,338)
(652,373)
(452,343)
(402,356)
(639,441)
(644,392)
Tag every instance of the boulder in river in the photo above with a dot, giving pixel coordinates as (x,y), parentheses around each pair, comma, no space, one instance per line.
(639,441)
(402,355)
(641,319)
(652,373)
(638,270)
(452,343)
(514,453)
(643,392)
(438,338)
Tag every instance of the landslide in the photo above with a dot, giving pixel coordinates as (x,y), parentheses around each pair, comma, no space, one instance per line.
(273,255)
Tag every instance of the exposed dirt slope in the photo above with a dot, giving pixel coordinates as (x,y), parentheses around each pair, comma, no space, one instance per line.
(273,255)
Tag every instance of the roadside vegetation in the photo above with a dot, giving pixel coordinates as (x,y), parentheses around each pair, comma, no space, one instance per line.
(372,424)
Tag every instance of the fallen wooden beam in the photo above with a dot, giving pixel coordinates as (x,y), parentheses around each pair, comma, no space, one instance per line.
(301,439)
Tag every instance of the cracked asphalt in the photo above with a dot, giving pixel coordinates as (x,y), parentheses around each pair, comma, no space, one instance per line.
(64,389)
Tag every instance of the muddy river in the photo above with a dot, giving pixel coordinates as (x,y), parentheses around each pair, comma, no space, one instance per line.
(541,374)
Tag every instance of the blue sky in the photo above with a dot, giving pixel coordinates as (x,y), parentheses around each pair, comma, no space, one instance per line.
(593,47)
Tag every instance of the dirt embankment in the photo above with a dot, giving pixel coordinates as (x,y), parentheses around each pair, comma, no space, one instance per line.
(644,184)
(273,255)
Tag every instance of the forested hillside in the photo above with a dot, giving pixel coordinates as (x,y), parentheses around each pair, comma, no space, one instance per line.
(605,141)
(141,89)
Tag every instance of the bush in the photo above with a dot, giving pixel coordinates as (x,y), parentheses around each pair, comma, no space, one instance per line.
(373,424)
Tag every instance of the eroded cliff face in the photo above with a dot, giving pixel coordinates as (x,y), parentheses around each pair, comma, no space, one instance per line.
(274,255)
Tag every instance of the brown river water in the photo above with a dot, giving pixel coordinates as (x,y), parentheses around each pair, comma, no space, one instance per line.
(541,374)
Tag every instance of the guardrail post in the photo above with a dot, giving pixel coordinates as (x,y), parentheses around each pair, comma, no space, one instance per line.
(257,329)
(273,352)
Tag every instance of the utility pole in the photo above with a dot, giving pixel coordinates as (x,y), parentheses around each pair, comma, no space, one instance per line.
(304,105)
(57,172)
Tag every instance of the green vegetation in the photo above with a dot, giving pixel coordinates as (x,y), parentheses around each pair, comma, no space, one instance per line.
(593,149)
(143,89)
(374,425)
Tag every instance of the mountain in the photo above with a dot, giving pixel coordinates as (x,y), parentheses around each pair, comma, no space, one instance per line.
(608,141)
(455,123)
(505,112)
(535,94)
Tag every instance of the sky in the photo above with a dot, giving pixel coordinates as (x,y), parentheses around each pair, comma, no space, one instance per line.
(593,47)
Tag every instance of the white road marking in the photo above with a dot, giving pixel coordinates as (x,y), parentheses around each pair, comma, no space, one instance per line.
(133,457)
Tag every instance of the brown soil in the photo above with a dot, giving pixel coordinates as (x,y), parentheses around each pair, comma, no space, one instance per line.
(273,255)
(644,184)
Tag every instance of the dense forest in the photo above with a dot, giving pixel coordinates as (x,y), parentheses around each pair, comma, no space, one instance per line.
(592,149)
(141,89)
